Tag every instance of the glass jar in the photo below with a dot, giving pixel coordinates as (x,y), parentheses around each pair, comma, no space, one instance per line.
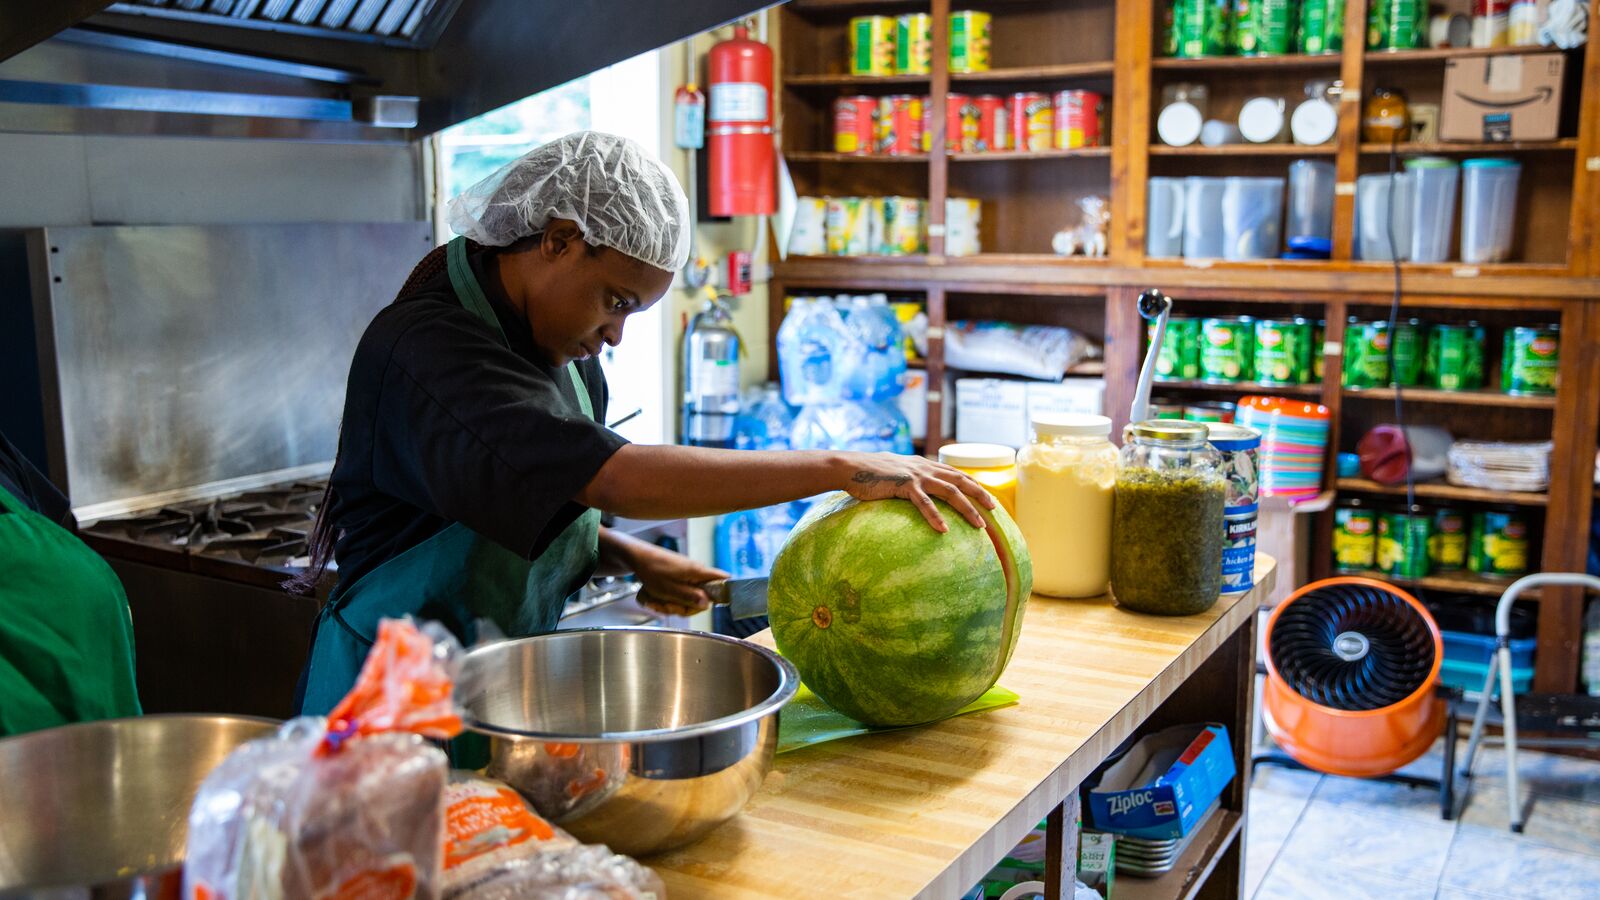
(1387,118)
(1167,529)
(992,465)
(1065,482)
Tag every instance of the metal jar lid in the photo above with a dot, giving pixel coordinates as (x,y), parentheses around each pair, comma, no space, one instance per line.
(1167,430)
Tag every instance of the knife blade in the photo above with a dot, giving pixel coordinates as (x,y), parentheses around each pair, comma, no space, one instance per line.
(746,598)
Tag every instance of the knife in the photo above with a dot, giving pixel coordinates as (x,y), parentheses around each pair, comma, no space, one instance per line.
(746,598)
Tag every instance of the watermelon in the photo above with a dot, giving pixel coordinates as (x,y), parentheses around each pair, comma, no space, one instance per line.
(890,622)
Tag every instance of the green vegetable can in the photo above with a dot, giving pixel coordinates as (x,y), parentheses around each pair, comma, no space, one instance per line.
(1366,353)
(1205,27)
(1179,357)
(1447,545)
(1321,26)
(1282,353)
(1498,545)
(1531,360)
(1262,27)
(1226,349)
(1403,543)
(1454,359)
(1355,537)
(1396,24)
(1319,334)
(1171,27)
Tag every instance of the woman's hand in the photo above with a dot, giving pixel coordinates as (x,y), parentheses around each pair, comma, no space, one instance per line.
(670,582)
(879,476)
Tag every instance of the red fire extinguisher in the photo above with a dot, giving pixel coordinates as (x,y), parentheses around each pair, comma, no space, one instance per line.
(743,160)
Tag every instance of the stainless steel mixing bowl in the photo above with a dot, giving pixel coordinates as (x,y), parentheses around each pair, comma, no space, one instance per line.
(101,809)
(640,738)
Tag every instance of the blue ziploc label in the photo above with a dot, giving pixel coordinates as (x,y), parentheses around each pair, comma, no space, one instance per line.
(1239,549)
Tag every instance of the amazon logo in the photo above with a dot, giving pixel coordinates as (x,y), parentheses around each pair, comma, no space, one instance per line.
(1539,95)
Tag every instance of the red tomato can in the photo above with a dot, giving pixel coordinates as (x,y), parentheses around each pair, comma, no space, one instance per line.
(900,125)
(1033,121)
(854,124)
(994,127)
(1077,119)
(960,124)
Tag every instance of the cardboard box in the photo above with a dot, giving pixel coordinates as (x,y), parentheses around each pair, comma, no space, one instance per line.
(1164,784)
(1502,98)
(1097,861)
(913,402)
(992,411)
(1074,395)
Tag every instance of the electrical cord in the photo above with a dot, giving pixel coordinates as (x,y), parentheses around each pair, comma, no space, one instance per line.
(1394,321)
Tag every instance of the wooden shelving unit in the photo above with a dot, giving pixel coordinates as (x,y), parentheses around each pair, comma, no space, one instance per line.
(1241,388)
(1440,491)
(829,79)
(1049,44)
(1015,155)
(856,158)
(1428,56)
(1188,875)
(1456,583)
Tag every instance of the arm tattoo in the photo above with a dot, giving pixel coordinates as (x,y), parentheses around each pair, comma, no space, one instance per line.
(871,478)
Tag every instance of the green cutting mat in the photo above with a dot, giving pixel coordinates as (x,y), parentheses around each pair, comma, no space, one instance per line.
(807,720)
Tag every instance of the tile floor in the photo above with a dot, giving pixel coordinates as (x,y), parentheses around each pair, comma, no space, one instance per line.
(1315,836)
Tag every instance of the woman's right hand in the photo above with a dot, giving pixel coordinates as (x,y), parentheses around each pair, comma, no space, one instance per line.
(879,476)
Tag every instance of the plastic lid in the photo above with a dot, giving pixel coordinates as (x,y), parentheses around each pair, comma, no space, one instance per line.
(977,456)
(1178,124)
(1430,162)
(1490,162)
(1079,424)
(1261,119)
(1226,436)
(1313,122)
(1311,244)
(1168,430)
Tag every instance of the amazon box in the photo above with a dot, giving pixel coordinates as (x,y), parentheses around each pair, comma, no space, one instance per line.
(1502,98)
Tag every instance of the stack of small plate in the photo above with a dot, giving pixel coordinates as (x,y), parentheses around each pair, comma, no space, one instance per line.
(1149,858)
(1294,442)
(1500,466)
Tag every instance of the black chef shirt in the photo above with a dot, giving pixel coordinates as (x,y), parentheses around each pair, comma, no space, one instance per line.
(443,423)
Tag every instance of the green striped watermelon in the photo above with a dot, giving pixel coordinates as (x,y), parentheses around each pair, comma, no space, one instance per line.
(891,622)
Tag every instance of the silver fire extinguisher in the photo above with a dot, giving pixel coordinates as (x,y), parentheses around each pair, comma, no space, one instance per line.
(710,376)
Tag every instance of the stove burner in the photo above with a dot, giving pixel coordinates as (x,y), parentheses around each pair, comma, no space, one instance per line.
(264,527)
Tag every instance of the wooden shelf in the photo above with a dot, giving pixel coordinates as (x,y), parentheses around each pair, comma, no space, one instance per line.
(1428,55)
(833,80)
(830,156)
(1237,63)
(1486,397)
(1563,145)
(1059,72)
(917,364)
(1243,387)
(996,155)
(1445,491)
(1188,875)
(1244,150)
(1455,582)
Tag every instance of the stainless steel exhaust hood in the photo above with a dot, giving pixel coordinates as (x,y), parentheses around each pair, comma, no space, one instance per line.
(344,70)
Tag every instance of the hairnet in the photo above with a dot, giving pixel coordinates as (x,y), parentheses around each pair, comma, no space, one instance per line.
(620,197)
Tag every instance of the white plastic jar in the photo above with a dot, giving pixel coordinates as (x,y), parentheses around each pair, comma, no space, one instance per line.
(1065,481)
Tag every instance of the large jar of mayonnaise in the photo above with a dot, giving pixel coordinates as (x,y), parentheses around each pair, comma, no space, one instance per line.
(1065,481)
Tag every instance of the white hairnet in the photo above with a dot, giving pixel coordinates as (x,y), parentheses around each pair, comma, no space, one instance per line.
(620,197)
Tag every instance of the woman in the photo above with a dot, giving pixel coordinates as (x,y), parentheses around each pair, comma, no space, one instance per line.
(473,462)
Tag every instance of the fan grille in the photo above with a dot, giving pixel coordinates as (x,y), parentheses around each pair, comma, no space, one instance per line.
(1317,654)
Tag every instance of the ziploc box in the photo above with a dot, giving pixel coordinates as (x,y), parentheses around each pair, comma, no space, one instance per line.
(1162,786)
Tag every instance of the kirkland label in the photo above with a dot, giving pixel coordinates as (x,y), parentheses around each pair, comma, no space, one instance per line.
(1239,552)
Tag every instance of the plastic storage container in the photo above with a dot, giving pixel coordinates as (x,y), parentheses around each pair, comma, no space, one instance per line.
(1376,196)
(1167,522)
(1252,217)
(1202,217)
(992,465)
(1310,200)
(1488,208)
(1164,221)
(1065,479)
(1433,207)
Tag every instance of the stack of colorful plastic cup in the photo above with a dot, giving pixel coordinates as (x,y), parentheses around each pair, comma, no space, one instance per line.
(1294,443)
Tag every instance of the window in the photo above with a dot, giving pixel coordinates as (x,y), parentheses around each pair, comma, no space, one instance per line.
(622,99)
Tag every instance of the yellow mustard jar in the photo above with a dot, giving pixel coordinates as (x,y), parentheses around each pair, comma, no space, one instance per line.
(992,465)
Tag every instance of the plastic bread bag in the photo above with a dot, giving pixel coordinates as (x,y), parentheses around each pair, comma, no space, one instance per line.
(585,872)
(351,806)
(1031,351)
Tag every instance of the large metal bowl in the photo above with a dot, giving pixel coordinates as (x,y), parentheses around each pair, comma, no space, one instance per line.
(101,809)
(640,738)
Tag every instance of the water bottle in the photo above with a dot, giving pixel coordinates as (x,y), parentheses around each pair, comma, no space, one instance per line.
(764,422)
(876,349)
(737,550)
(811,351)
(1591,649)
(861,426)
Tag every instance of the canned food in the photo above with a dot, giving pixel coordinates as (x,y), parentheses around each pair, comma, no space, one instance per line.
(991,123)
(1396,24)
(913,44)
(1321,26)
(1225,349)
(1077,116)
(1205,27)
(905,223)
(876,223)
(1319,335)
(855,124)
(1171,16)
(960,125)
(1179,356)
(1447,545)
(1262,27)
(1211,411)
(1531,361)
(900,125)
(1239,449)
(1239,550)
(1498,546)
(1033,121)
(848,226)
(1159,410)
(1454,361)
(1403,543)
(1355,537)
(872,45)
(969,41)
(809,235)
(1491,21)
(1366,353)
(1282,351)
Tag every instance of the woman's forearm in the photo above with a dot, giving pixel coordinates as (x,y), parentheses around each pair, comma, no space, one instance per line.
(669,482)
(616,553)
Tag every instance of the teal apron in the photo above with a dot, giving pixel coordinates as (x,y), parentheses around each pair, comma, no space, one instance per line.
(456,577)
(66,638)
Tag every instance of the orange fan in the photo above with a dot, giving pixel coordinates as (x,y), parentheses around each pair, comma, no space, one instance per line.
(1352,677)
